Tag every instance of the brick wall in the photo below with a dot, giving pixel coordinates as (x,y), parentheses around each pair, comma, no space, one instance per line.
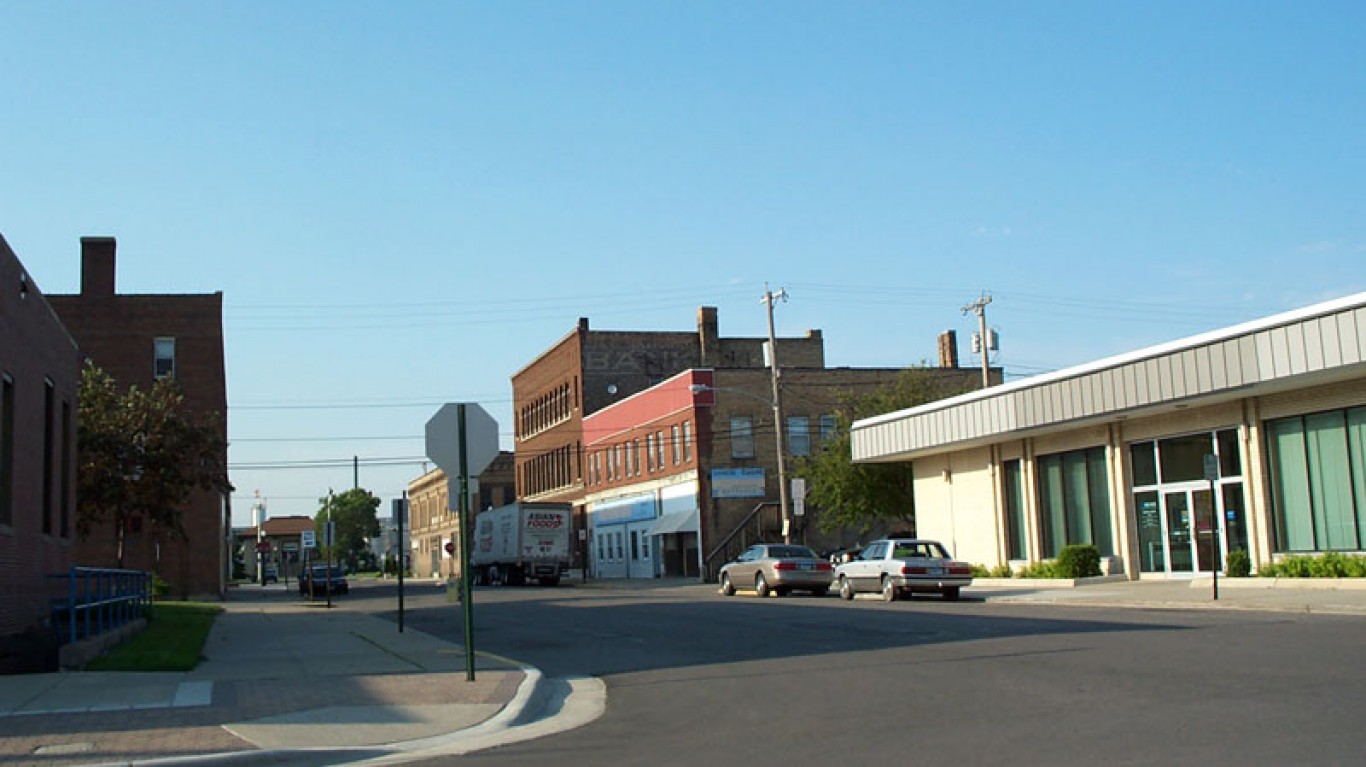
(117,333)
(35,350)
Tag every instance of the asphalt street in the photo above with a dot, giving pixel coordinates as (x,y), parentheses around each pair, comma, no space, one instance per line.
(694,678)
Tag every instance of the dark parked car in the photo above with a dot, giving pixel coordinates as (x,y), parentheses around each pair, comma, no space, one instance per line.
(777,568)
(316,580)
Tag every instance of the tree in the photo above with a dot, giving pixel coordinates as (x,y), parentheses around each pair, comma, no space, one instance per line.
(860,496)
(354,511)
(140,454)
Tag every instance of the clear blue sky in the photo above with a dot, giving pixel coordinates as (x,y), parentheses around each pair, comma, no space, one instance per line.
(404,203)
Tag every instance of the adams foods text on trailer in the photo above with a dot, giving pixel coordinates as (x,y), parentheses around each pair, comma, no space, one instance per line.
(520,542)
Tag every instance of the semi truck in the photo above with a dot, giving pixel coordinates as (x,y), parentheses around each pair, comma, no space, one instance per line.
(521,542)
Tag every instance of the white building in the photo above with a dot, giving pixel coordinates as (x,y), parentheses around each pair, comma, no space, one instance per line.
(1114,453)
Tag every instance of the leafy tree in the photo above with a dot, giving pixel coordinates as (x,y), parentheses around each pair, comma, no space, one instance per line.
(859,496)
(354,511)
(140,454)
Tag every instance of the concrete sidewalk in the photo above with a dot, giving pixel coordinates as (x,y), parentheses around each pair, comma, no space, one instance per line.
(281,675)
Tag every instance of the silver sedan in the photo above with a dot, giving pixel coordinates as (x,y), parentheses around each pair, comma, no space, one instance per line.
(777,568)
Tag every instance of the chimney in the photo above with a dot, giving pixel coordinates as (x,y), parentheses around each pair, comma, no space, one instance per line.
(97,266)
(708,337)
(948,349)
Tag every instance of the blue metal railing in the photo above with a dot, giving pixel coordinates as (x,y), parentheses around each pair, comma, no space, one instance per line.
(99,600)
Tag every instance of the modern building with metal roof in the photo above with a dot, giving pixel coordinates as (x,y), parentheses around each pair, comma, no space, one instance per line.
(1252,437)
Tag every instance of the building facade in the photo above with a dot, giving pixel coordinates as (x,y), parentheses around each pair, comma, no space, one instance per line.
(681,476)
(1166,459)
(138,339)
(39,378)
(435,522)
(588,370)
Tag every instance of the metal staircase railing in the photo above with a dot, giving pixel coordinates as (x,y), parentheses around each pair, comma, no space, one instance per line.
(752,529)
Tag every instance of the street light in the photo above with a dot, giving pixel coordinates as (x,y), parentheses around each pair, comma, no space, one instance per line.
(783,505)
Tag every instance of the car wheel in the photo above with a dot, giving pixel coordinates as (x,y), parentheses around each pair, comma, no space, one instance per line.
(761,585)
(951,593)
(819,592)
(846,588)
(888,590)
(727,588)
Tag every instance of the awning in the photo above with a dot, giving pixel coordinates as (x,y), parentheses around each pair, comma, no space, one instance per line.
(675,522)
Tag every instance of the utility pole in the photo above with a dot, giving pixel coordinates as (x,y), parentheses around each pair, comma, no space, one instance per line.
(784,506)
(980,307)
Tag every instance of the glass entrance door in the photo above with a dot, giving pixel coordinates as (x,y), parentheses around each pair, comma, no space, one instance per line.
(1189,524)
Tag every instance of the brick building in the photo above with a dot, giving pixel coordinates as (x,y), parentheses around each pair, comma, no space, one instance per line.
(39,376)
(680,477)
(138,339)
(434,523)
(588,370)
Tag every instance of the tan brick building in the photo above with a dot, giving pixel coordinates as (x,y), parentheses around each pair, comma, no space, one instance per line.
(39,375)
(433,521)
(137,339)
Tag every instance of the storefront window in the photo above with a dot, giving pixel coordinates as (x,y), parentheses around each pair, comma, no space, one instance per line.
(1318,479)
(1074,501)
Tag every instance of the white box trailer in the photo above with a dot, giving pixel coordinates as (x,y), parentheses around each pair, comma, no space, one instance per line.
(520,542)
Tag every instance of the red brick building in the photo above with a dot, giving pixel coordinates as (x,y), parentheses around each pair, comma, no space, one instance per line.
(138,339)
(39,375)
(588,370)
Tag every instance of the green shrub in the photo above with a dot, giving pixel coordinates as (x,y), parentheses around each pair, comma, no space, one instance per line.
(1039,570)
(1001,571)
(1329,565)
(1238,565)
(1078,561)
(160,588)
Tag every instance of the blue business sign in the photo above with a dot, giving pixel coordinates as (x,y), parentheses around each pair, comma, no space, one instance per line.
(737,483)
(634,508)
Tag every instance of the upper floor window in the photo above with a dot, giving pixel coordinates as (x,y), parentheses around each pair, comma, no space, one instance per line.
(677,442)
(799,435)
(687,441)
(164,357)
(741,437)
(827,426)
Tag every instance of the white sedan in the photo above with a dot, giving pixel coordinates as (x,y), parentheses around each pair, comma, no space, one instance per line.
(897,566)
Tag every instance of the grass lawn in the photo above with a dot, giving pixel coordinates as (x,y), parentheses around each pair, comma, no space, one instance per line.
(173,641)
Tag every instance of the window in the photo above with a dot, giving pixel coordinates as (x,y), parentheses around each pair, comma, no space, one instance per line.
(1318,480)
(741,437)
(659,449)
(1013,480)
(6,450)
(65,444)
(650,452)
(827,427)
(164,357)
(798,435)
(49,448)
(1074,501)
(677,446)
(687,440)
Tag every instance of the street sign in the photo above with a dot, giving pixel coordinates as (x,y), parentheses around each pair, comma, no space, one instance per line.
(444,439)
(798,496)
(450,547)
(263,547)
(308,539)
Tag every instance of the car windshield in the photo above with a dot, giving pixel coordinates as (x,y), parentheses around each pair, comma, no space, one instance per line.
(321,572)
(791,552)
